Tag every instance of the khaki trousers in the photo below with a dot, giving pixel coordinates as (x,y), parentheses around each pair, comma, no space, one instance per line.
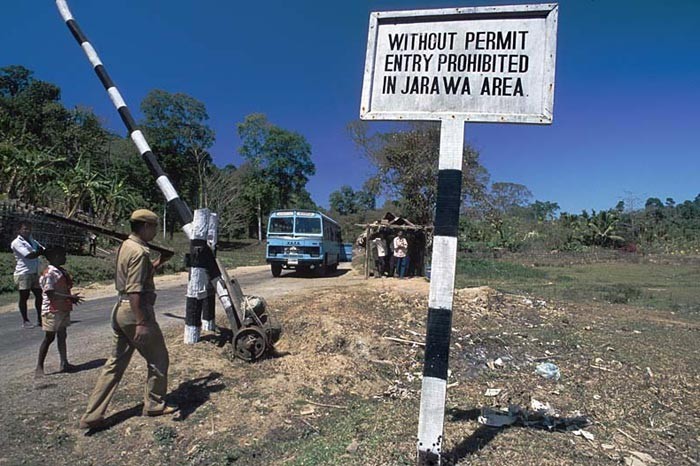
(152,349)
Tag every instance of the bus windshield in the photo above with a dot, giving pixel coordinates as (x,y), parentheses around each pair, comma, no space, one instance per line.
(281,225)
(306,226)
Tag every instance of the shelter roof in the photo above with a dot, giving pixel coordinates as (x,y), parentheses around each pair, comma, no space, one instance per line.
(392,221)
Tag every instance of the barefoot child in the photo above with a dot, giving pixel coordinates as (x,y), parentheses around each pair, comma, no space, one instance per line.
(57,304)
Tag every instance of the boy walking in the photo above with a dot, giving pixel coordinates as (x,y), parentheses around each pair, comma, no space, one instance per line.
(57,304)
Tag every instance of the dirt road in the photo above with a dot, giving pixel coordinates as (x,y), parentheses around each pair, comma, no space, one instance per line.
(90,329)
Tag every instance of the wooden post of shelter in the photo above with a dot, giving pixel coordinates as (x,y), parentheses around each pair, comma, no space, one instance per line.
(367,251)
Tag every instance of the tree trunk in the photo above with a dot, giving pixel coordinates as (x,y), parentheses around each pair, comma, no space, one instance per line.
(202,191)
(259,222)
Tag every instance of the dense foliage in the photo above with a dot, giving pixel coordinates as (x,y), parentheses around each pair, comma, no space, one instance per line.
(279,166)
(501,214)
(52,156)
(669,227)
(58,157)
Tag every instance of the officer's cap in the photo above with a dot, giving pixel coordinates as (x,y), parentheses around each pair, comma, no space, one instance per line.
(144,215)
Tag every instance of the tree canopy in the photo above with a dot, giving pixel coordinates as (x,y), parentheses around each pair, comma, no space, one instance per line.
(65,159)
(58,157)
(407,166)
(346,201)
(280,166)
(176,128)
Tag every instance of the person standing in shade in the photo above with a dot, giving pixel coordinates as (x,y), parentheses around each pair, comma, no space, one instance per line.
(27,251)
(380,263)
(92,243)
(400,257)
(134,325)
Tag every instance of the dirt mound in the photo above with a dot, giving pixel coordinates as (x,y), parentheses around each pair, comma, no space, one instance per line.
(344,388)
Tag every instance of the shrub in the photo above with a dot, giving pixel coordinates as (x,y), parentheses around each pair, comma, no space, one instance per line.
(621,293)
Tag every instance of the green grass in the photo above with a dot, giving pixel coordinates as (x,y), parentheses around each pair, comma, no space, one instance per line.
(479,269)
(672,286)
(244,252)
(233,253)
(324,441)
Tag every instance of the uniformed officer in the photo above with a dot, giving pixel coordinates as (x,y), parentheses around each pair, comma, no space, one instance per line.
(134,325)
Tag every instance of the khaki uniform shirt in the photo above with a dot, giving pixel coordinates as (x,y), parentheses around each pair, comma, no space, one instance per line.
(134,268)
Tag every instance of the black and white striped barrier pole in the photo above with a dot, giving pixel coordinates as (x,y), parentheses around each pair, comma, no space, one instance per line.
(136,135)
(229,293)
(442,280)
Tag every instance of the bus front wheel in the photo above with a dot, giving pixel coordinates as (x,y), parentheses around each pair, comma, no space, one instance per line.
(276,269)
(321,269)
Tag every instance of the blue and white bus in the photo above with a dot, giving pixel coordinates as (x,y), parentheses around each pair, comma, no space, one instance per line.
(303,240)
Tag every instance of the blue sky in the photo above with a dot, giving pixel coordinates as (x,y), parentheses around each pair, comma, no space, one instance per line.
(626,110)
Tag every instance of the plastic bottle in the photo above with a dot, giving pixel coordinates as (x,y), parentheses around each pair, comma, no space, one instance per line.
(548,370)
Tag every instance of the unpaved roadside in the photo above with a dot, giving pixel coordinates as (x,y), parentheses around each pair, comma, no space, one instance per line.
(90,332)
(254,279)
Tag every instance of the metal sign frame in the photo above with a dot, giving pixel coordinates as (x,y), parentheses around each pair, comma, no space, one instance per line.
(546,11)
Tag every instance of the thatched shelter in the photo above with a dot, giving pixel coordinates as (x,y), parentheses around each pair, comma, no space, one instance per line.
(419,238)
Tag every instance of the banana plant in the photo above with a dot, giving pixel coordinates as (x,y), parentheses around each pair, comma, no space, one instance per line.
(602,228)
(82,187)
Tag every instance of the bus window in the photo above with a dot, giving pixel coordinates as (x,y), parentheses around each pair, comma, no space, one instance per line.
(308,225)
(281,225)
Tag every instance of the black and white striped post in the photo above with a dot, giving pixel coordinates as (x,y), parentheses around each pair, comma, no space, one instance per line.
(454,77)
(442,280)
(200,304)
(209,306)
(197,289)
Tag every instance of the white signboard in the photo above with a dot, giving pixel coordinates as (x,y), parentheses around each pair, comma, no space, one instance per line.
(483,64)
